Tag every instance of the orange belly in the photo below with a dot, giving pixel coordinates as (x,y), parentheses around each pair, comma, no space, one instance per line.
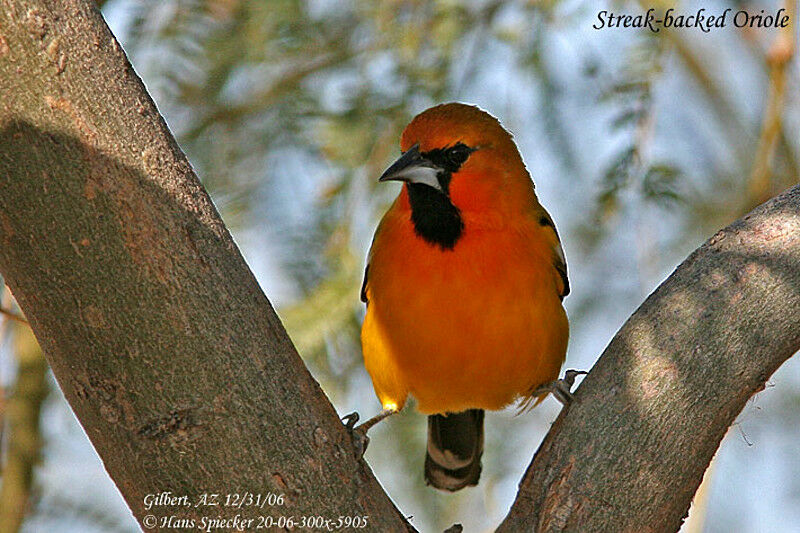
(479,326)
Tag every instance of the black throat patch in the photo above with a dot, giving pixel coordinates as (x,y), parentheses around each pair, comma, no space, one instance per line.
(435,217)
(433,214)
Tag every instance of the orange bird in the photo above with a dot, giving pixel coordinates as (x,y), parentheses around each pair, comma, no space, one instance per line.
(463,286)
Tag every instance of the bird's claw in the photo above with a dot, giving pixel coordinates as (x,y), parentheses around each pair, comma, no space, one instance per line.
(358,434)
(561,388)
(350,420)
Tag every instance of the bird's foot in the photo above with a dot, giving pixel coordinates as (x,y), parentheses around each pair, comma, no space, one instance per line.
(351,420)
(359,436)
(359,433)
(561,388)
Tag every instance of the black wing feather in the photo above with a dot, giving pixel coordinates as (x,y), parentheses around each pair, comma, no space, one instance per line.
(561,268)
(364,285)
(559,263)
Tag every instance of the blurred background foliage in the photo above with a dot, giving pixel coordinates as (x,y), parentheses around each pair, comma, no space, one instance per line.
(641,145)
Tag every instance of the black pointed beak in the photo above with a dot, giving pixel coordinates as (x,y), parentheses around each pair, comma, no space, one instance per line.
(403,168)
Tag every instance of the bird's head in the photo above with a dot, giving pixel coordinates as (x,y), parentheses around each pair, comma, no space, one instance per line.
(461,154)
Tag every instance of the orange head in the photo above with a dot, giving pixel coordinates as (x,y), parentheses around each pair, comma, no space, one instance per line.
(459,164)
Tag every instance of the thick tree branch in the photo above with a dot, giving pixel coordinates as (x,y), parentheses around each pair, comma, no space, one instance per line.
(158,334)
(630,452)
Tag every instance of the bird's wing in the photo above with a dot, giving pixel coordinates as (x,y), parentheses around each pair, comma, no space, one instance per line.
(364,297)
(364,285)
(559,261)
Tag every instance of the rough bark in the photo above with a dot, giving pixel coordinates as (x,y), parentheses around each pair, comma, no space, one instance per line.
(162,341)
(630,452)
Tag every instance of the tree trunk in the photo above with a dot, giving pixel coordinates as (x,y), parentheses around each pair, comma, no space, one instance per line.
(162,341)
(630,452)
(186,382)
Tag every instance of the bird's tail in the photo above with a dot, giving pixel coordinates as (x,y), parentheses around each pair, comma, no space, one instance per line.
(455,446)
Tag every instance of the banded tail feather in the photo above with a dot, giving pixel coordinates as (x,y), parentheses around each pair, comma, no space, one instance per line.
(455,447)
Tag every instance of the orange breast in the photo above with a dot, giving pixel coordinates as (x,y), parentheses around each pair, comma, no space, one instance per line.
(478,326)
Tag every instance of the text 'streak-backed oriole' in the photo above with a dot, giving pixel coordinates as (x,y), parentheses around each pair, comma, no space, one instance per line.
(463,286)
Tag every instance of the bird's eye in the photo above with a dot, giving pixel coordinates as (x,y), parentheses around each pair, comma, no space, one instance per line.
(459,153)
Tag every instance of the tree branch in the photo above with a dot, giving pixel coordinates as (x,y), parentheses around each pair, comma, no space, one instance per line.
(630,452)
(11,315)
(24,438)
(778,58)
(161,339)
